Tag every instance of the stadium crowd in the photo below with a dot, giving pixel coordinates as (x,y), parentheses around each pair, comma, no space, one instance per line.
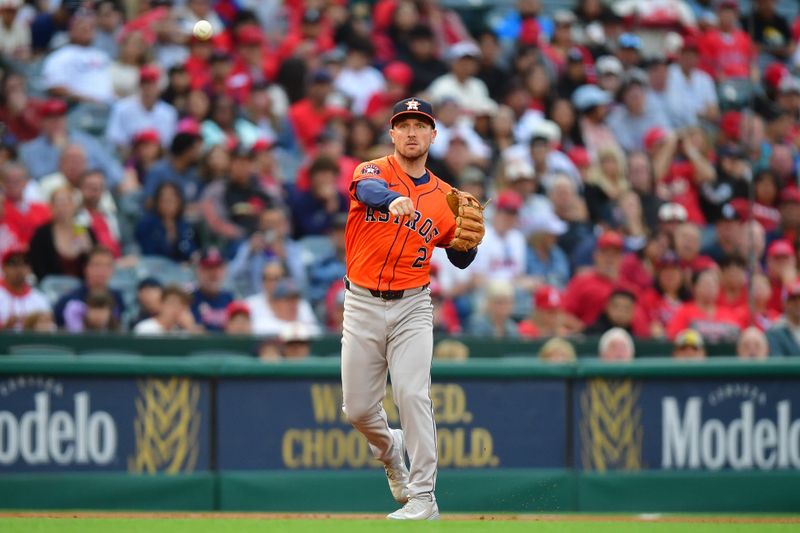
(641,160)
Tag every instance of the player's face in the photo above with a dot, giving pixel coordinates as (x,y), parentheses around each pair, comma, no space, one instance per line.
(412,137)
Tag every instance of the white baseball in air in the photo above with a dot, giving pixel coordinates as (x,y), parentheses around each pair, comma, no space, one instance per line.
(203,30)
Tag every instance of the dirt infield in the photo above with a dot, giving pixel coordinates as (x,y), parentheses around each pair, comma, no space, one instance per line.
(710,519)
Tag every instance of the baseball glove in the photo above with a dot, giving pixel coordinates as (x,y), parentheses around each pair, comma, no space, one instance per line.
(469,220)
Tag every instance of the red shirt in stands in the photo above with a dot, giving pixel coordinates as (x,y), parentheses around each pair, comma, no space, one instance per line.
(309,122)
(776,299)
(24,219)
(347,166)
(683,190)
(727,55)
(657,307)
(733,302)
(723,324)
(586,296)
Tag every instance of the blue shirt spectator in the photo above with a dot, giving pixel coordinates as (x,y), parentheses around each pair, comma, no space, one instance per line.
(637,114)
(210,301)
(165,231)
(179,168)
(41,155)
(331,267)
(313,210)
(270,243)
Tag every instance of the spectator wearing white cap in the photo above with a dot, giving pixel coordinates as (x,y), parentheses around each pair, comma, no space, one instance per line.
(452,123)
(609,73)
(461,83)
(541,151)
(593,103)
(521,178)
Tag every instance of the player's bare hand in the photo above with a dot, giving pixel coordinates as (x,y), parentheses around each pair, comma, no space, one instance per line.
(402,206)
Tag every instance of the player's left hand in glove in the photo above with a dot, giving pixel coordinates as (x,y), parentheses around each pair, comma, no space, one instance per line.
(469,220)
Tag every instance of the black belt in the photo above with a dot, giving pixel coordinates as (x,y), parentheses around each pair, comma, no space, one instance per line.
(383,295)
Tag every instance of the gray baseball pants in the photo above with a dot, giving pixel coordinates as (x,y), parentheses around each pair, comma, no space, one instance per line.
(397,336)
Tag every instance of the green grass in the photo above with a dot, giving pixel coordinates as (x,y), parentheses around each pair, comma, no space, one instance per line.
(133,525)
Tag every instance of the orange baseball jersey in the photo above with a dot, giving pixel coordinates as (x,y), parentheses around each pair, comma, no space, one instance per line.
(385,252)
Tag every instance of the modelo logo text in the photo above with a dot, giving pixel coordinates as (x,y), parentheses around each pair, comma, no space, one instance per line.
(40,437)
(691,442)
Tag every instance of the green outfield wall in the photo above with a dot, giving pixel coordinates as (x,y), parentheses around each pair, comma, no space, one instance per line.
(514,435)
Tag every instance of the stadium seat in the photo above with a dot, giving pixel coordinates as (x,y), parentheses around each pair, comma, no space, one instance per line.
(56,286)
(40,349)
(315,247)
(125,280)
(165,270)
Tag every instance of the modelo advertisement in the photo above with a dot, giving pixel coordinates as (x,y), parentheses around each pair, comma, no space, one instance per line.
(687,425)
(143,426)
(299,425)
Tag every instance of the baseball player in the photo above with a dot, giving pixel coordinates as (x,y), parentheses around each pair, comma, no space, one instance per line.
(399,212)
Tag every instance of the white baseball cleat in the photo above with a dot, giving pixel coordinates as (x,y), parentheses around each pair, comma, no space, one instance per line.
(421,507)
(396,469)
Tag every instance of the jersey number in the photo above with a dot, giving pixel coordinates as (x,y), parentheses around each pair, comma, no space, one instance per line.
(423,255)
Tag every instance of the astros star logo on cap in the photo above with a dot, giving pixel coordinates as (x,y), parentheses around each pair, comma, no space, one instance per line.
(412,105)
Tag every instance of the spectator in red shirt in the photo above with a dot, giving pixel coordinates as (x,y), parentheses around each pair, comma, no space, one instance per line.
(714,322)
(733,282)
(764,206)
(681,167)
(197,64)
(310,115)
(445,314)
(18,112)
(790,214)
(398,79)
(587,293)
(331,146)
(667,294)
(309,39)
(9,240)
(254,62)
(781,267)
(21,216)
(759,314)
(547,319)
(99,211)
(727,50)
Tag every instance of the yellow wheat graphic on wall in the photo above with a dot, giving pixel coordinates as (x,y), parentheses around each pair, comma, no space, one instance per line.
(167,426)
(610,427)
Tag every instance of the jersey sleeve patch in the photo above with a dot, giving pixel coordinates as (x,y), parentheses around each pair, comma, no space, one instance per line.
(370,169)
